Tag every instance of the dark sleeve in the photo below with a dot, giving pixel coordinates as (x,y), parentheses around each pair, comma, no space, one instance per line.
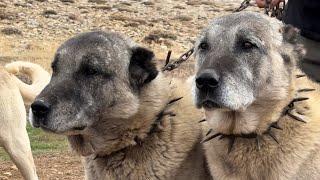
(305,15)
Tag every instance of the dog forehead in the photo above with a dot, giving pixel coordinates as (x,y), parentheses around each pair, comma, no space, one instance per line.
(109,47)
(226,28)
(249,21)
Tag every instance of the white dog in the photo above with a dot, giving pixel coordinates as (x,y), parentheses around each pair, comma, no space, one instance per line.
(13,133)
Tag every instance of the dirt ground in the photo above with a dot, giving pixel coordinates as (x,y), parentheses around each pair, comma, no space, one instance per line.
(31,30)
(50,166)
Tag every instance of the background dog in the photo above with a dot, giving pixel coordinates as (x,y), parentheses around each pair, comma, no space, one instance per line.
(13,95)
(262,114)
(38,76)
(117,110)
(13,133)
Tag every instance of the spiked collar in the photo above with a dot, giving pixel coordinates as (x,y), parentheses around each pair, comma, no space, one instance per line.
(155,127)
(287,111)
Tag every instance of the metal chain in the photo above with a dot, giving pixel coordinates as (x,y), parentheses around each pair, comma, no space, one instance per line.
(184,57)
(243,5)
(276,11)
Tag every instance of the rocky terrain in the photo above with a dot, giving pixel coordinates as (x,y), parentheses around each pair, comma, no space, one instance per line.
(31,30)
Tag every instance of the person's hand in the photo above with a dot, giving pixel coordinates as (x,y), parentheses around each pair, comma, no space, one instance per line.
(262,3)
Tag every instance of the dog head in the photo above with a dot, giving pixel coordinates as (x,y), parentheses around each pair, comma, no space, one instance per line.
(244,58)
(96,76)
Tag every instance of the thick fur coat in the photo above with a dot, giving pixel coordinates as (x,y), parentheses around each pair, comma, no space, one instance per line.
(268,125)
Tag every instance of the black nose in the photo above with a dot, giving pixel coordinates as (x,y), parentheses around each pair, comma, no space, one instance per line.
(207,79)
(40,109)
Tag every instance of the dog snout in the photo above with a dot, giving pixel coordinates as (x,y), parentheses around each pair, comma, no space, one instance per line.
(207,79)
(40,109)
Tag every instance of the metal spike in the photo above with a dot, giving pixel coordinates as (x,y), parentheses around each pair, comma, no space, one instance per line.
(296,117)
(222,136)
(306,90)
(174,100)
(210,137)
(258,142)
(273,136)
(138,140)
(168,58)
(276,126)
(231,143)
(299,99)
(203,120)
(301,113)
(170,113)
(300,75)
(210,130)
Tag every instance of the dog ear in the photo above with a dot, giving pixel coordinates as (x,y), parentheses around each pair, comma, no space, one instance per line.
(290,35)
(142,69)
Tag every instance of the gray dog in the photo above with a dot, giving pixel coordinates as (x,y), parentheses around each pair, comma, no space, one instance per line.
(263,114)
(117,110)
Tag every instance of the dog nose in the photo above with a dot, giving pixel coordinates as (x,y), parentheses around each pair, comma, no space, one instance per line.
(208,79)
(40,109)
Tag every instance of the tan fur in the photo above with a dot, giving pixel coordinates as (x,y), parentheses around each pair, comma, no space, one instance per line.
(173,152)
(297,155)
(39,77)
(13,134)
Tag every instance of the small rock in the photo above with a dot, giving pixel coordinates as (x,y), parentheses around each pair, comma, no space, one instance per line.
(67,1)
(183,18)
(14,167)
(126,3)
(8,173)
(11,31)
(7,15)
(98,1)
(74,17)
(157,36)
(102,7)
(132,24)
(179,7)
(148,3)
(2,5)
(50,12)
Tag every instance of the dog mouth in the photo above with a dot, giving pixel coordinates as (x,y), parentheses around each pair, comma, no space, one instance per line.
(80,128)
(209,105)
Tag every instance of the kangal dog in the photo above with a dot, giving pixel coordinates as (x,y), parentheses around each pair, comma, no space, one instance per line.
(127,120)
(262,114)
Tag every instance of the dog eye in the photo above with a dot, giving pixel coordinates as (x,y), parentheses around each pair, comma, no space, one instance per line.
(204,46)
(90,71)
(248,45)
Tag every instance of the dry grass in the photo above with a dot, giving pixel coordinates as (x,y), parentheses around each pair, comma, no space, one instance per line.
(39,52)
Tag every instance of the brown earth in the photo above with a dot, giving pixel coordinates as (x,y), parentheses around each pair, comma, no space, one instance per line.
(31,30)
(51,166)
